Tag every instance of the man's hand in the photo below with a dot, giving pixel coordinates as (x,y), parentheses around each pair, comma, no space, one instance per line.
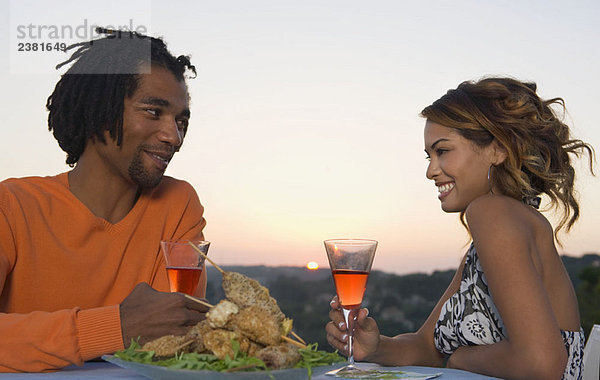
(149,314)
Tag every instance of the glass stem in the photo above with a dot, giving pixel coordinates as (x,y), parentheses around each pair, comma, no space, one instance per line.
(349,319)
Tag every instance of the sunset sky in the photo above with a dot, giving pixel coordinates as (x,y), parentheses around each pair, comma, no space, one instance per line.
(305,119)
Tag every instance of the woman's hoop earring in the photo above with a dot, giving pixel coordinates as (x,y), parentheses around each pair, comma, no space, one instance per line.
(488,178)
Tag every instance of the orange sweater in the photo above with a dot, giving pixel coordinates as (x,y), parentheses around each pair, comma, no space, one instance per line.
(64,271)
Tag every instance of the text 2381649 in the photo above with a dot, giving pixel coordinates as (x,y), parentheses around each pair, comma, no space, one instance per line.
(41,46)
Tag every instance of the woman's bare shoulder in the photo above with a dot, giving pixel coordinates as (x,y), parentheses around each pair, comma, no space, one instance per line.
(496,210)
(500,211)
(500,221)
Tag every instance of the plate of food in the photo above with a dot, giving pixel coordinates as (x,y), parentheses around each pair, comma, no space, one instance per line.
(180,368)
(244,336)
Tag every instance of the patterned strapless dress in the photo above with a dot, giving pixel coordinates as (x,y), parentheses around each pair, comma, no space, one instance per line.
(470,318)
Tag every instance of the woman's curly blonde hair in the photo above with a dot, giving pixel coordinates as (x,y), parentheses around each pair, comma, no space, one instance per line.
(537,142)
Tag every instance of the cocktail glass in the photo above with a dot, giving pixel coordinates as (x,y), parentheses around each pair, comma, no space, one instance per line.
(350,262)
(184,264)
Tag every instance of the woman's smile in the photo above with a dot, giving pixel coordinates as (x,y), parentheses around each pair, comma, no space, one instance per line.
(444,189)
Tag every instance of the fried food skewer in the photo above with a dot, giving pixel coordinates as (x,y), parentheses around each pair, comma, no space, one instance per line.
(300,344)
(237,287)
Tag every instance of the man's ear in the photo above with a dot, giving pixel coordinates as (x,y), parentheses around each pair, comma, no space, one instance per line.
(499,153)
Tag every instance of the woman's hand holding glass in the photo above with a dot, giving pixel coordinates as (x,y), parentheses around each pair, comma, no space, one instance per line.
(366,333)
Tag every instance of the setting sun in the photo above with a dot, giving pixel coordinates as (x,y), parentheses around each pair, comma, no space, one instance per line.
(312,265)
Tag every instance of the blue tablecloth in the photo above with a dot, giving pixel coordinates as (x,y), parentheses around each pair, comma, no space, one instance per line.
(102,371)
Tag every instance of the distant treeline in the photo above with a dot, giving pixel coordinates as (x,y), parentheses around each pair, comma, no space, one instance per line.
(399,303)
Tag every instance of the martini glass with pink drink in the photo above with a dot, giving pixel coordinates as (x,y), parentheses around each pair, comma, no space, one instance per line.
(350,262)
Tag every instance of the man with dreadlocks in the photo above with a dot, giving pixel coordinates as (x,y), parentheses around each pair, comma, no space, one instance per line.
(81,273)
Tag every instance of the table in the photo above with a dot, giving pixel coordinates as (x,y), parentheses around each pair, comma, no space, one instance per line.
(447,373)
(90,370)
(103,370)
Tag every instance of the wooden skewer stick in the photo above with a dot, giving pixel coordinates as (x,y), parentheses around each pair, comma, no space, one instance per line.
(290,340)
(198,301)
(184,345)
(206,257)
(298,337)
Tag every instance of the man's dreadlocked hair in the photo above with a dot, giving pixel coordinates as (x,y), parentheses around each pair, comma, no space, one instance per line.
(88,99)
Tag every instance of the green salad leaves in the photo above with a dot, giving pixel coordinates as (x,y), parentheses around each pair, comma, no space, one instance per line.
(311,357)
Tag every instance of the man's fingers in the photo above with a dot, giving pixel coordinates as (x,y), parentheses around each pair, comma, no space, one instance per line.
(192,317)
(178,331)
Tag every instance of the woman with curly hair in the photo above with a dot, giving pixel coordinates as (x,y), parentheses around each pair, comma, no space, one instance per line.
(494,148)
